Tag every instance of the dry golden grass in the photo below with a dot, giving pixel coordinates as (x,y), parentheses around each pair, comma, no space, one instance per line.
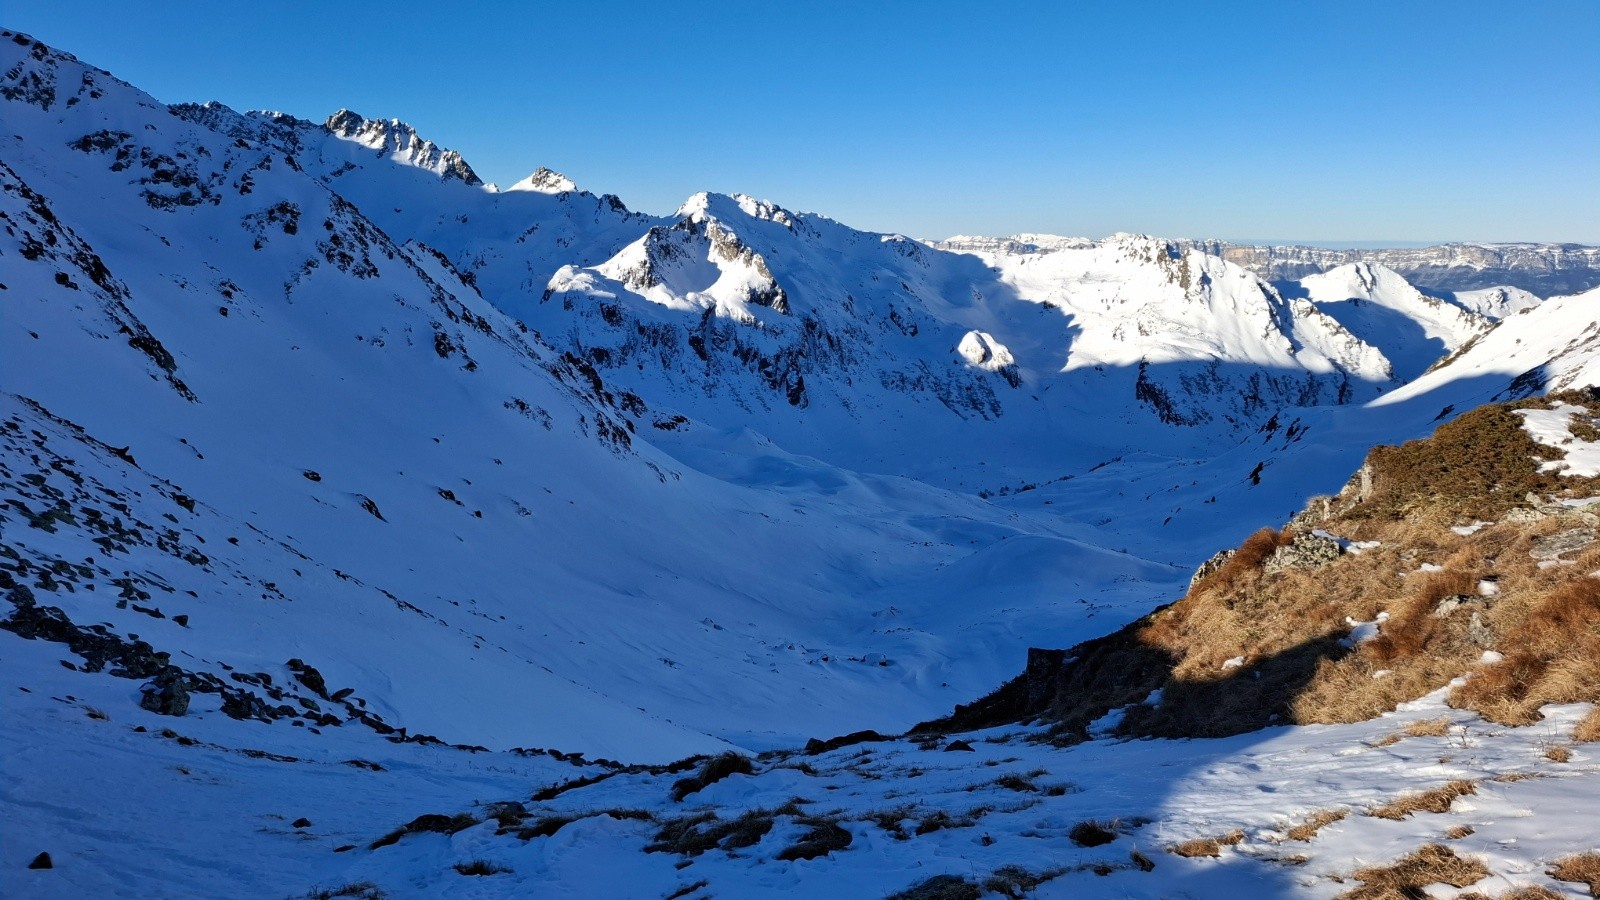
(1437,800)
(1527,892)
(1287,626)
(1477,465)
(1588,729)
(1407,876)
(1211,846)
(1555,658)
(1318,820)
(1429,727)
(1458,832)
(1558,754)
(1584,868)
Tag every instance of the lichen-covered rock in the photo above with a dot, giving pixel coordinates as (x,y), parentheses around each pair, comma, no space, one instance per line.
(1211,565)
(1562,543)
(1307,552)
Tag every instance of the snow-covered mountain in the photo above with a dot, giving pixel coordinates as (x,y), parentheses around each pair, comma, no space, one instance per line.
(309,428)
(1377,305)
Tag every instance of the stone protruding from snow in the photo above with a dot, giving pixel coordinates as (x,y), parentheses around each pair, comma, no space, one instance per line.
(982,351)
(545,181)
(400,142)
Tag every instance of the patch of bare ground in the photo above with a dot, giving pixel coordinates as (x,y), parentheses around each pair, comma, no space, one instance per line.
(1407,876)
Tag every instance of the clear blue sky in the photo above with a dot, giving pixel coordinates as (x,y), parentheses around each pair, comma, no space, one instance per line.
(1406,120)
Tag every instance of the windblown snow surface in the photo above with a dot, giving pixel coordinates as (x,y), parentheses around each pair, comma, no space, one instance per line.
(440,496)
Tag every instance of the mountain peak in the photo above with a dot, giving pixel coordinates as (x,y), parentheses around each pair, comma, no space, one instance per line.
(400,141)
(545,181)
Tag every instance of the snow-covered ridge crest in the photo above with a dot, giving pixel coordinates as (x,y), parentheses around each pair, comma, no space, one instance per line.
(401,142)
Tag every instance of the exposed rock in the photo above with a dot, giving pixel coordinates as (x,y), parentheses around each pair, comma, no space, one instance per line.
(1209,566)
(957,746)
(1478,632)
(1307,552)
(1562,543)
(42,861)
(308,676)
(1450,604)
(814,746)
(166,694)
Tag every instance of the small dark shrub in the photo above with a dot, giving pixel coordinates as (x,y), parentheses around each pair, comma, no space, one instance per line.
(1091,834)
(715,769)
(824,837)
(940,887)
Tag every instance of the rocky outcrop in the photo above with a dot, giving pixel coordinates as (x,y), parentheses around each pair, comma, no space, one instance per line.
(396,139)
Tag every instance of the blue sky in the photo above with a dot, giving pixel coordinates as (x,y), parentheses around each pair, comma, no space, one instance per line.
(1407,120)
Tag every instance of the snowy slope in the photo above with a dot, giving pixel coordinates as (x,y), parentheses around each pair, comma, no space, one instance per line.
(1550,347)
(260,345)
(1374,303)
(1494,303)
(523,468)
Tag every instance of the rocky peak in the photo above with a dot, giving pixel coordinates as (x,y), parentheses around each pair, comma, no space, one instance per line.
(545,181)
(400,141)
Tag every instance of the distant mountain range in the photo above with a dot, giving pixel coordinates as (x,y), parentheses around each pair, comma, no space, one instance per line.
(1542,269)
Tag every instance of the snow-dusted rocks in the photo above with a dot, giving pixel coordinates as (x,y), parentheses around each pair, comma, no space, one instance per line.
(401,143)
(982,350)
(545,181)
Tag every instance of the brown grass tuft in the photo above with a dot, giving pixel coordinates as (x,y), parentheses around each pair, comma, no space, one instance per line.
(1526,892)
(1092,833)
(1407,876)
(1588,729)
(1211,846)
(1584,868)
(1458,832)
(1318,820)
(1429,727)
(1437,800)
(1558,754)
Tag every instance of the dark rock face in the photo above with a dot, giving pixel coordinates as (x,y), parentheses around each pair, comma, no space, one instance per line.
(166,694)
(42,861)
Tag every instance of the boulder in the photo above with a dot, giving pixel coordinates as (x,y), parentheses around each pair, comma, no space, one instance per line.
(166,694)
